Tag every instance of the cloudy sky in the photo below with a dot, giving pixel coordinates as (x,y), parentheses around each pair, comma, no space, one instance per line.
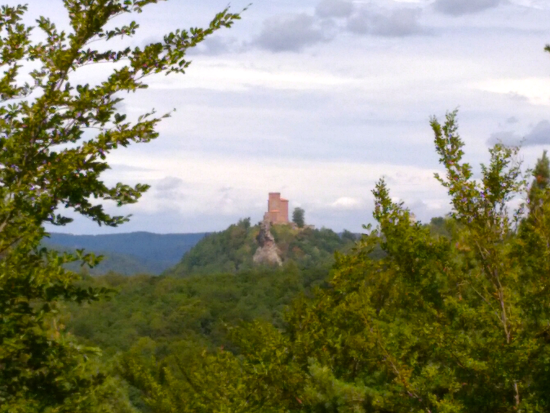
(318,99)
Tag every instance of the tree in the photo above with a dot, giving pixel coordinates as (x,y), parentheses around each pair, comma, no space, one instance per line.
(541,181)
(298,217)
(55,136)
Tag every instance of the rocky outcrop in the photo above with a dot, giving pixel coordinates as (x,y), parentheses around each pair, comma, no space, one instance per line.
(267,252)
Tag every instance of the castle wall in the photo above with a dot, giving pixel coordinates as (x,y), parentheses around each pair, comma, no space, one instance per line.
(283,214)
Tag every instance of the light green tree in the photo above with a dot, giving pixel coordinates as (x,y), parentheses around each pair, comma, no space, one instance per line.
(55,136)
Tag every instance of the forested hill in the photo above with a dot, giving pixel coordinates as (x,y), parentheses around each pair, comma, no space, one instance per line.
(130,253)
(214,288)
(232,250)
(205,298)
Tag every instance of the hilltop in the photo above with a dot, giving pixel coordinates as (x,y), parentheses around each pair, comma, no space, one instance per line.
(232,250)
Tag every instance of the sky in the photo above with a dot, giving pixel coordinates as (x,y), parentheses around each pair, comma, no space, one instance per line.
(319,99)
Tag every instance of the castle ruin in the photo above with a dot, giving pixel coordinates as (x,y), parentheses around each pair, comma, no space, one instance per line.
(277,209)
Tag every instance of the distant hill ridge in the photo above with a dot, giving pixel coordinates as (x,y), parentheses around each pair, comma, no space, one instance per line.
(227,251)
(130,253)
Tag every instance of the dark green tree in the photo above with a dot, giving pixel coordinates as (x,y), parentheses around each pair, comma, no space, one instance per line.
(298,217)
(541,181)
(55,136)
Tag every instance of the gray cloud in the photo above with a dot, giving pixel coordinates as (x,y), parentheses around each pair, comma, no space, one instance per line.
(395,23)
(169,188)
(295,32)
(517,97)
(215,46)
(461,7)
(334,8)
(508,138)
(512,119)
(540,135)
(291,33)
(168,183)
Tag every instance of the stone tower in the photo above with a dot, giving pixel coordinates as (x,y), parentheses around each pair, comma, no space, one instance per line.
(277,209)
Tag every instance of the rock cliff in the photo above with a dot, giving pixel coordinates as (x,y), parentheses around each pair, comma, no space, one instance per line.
(267,252)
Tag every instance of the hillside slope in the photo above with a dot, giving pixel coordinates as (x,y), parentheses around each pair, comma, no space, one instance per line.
(130,253)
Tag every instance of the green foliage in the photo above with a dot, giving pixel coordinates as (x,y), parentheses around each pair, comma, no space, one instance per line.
(40,368)
(207,383)
(50,159)
(298,217)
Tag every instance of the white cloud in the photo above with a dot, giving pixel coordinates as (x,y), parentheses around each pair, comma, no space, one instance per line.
(346,203)
(535,90)
(233,76)
(536,4)
(250,180)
